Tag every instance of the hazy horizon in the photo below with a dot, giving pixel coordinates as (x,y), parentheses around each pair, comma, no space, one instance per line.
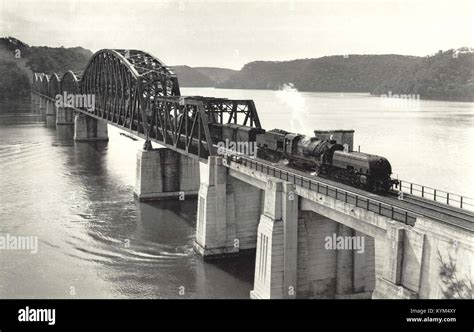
(229,34)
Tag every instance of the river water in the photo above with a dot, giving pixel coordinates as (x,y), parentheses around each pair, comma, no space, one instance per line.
(96,241)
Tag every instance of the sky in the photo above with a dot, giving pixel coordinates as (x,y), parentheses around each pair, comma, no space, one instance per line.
(230,33)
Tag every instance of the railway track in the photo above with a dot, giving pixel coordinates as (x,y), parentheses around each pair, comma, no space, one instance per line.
(437,207)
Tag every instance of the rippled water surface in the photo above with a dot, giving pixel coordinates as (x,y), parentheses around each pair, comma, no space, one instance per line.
(97,241)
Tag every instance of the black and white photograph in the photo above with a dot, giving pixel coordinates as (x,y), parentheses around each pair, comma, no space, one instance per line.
(184,154)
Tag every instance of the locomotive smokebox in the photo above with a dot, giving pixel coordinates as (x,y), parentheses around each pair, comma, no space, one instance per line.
(340,135)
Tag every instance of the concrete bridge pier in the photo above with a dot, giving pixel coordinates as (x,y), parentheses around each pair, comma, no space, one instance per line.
(50,114)
(65,122)
(211,228)
(334,260)
(35,102)
(276,266)
(228,212)
(355,270)
(163,173)
(87,128)
(298,256)
(42,108)
(401,275)
(38,104)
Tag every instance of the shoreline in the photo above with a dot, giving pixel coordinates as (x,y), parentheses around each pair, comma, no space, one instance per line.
(462,100)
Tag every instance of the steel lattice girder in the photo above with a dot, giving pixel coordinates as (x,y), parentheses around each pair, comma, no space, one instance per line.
(223,110)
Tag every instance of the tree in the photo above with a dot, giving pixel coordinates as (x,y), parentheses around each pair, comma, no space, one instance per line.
(14,82)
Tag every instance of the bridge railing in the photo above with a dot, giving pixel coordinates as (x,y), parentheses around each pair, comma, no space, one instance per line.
(437,195)
(370,204)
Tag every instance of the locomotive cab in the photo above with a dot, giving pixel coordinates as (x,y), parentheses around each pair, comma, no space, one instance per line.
(290,140)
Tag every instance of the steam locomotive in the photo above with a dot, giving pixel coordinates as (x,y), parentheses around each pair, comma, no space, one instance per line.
(326,158)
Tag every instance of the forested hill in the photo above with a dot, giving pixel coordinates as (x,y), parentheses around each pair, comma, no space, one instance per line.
(18,61)
(354,73)
(202,76)
(445,75)
(218,75)
(190,77)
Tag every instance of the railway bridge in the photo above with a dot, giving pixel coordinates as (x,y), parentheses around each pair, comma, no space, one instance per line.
(311,237)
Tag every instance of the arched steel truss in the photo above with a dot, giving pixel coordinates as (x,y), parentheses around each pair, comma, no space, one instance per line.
(36,86)
(54,86)
(135,91)
(45,85)
(70,83)
(124,82)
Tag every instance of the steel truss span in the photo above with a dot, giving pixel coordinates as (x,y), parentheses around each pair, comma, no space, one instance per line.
(137,92)
(125,83)
(70,82)
(54,86)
